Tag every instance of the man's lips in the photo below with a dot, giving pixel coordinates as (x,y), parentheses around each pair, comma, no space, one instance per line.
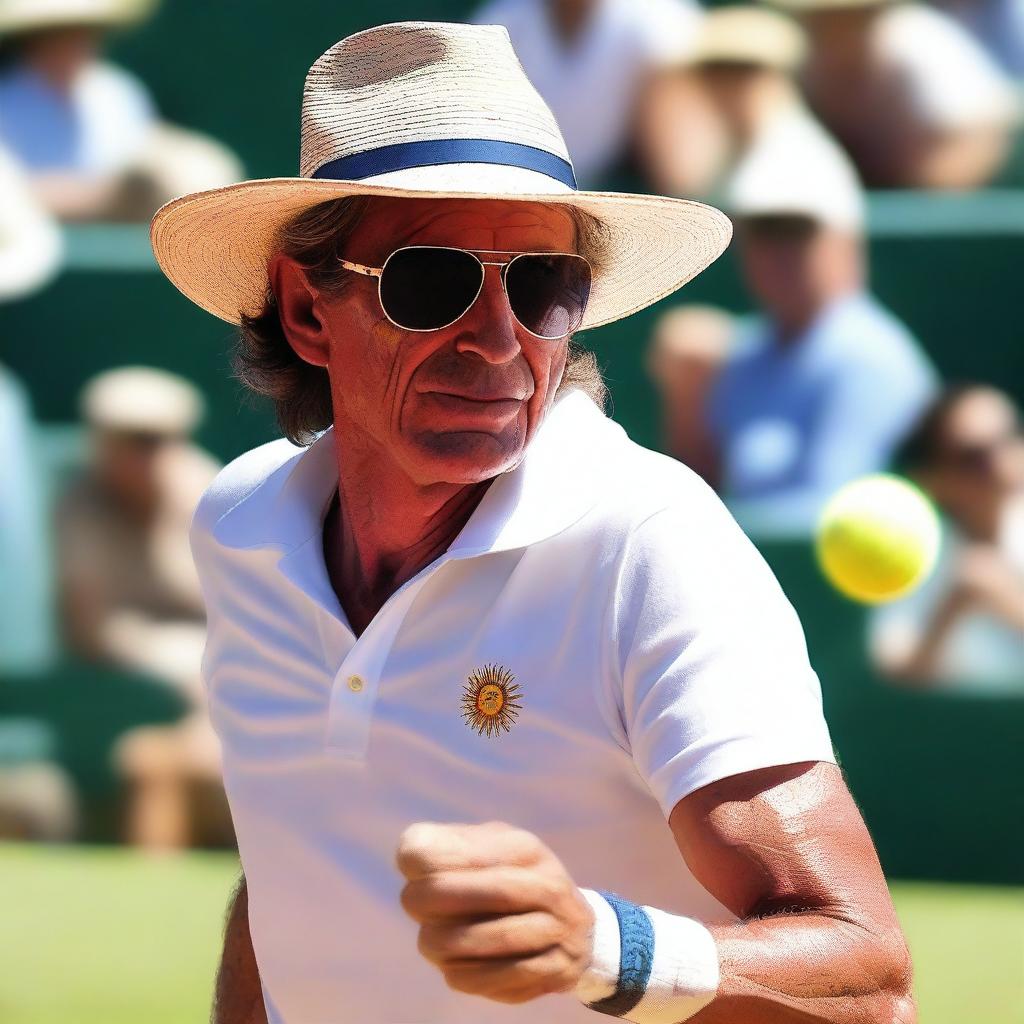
(492,406)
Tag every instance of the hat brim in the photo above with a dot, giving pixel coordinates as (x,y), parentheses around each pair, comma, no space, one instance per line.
(214,246)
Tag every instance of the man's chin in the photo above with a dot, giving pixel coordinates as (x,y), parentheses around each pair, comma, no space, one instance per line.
(466,456)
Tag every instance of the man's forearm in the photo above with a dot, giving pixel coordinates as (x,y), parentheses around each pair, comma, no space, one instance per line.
(799,967)
(238,997)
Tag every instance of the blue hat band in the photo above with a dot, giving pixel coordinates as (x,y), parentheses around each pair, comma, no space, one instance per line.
(430,153)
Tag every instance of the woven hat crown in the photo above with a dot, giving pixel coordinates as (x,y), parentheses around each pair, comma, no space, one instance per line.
(420,82)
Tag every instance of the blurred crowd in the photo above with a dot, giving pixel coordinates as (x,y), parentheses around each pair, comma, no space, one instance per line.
(782,114)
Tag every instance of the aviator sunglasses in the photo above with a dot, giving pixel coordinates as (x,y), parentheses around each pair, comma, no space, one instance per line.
(430,287)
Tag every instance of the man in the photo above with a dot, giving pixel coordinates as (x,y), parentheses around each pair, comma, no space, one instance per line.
(474,598)
(822,387)
(915,101)
(596,55)
(965,625)
(128,591)
(87,131)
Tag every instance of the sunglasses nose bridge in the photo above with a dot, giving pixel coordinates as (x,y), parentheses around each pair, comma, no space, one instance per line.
(492,335)
(493,290)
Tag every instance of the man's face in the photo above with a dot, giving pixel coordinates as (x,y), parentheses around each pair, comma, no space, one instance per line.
(63,53)
(980,453)
(734,87)
(793,265)
(128,462)
(458,405)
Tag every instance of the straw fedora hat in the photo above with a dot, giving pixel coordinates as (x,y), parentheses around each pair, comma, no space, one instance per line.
(18,16)
(427,109)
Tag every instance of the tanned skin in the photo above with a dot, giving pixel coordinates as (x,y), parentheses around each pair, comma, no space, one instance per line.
(784,842)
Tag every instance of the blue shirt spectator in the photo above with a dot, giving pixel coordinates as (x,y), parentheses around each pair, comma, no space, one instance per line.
(795,420)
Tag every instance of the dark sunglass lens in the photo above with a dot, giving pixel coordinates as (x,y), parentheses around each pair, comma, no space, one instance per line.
(424,289)
(548,293)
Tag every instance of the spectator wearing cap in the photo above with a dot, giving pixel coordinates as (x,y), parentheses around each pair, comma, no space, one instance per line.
(743,63)
(128,589)
(964,627)
(593,62)
(825,382)
(913,98)
(86,131)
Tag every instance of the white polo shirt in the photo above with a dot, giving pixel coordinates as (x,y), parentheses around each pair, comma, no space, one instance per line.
(599,641)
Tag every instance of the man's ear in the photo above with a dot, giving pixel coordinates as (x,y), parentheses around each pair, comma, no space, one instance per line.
(296,306)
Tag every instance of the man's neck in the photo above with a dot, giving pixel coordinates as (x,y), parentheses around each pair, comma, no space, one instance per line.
(791,328)
(384,529)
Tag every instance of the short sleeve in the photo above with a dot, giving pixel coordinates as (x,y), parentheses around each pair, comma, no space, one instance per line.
(715,675)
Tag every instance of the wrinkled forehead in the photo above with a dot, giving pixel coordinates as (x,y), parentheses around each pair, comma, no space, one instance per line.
(466,223)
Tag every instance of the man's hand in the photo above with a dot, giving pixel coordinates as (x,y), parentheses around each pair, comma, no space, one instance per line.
(498,913)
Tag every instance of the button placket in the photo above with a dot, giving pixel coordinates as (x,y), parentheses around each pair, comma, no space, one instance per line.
(354,693)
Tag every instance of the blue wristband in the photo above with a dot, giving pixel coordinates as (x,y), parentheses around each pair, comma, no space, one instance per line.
(636,938)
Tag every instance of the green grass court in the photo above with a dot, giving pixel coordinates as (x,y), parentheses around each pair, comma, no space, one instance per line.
(95,935)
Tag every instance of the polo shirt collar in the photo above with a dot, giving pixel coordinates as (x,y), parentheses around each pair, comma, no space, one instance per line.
(558,481)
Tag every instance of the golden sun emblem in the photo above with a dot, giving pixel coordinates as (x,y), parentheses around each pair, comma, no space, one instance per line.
(490,700)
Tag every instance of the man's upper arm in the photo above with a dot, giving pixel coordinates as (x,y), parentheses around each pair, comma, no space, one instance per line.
(788,838)
(712,664)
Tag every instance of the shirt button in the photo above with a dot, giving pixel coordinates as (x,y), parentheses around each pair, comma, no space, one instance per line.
(355,683)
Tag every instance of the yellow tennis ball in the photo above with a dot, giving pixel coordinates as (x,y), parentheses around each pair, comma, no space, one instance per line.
(878,538)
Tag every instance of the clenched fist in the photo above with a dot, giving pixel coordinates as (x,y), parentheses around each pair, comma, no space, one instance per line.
(498,913)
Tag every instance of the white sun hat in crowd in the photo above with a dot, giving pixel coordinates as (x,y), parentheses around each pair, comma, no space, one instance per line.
(427,109)
(749,35)
(142,399)
(795,168)
(17,16)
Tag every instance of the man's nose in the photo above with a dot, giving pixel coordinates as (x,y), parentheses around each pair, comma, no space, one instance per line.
(489,329)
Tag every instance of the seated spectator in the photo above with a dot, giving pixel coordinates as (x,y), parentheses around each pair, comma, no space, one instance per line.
(912,97)
(965,625)
(825,383)
(128,588)
(743,62)
(592,61)
(88,132)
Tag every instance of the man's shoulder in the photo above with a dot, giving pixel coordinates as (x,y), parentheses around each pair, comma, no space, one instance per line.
(869,334)
(239,479)
(647,483)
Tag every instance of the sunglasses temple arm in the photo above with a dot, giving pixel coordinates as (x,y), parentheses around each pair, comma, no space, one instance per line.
(360,269)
